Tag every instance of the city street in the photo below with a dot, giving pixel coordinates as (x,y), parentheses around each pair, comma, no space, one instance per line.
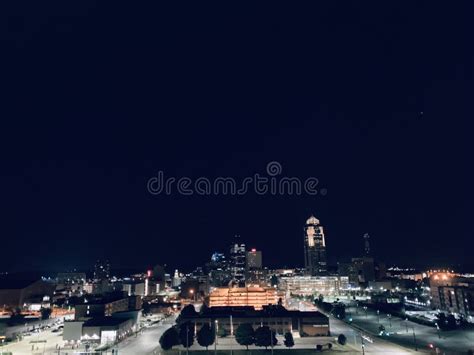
(401,332)
(147,340)
(355,338)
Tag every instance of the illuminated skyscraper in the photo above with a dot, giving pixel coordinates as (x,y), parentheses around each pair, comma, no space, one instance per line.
(255,274)
(237,261)
(314,248)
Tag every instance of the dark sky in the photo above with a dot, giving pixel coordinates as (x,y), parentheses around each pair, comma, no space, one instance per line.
(371,99)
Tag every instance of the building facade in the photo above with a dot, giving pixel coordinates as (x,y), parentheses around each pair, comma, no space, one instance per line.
(314,248)
(452,294)
(281,320)
(255,274)
(102,270)
(314,285)
(238,262)
(252,296)
(19,293)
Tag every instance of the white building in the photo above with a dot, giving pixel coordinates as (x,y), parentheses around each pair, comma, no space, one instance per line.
(314,285)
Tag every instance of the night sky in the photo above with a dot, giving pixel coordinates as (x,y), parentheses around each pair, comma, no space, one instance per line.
(372,99)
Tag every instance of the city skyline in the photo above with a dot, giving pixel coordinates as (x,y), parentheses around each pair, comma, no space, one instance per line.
(222,178)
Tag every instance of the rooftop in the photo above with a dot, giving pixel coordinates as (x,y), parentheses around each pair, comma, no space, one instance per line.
(104,322)
(250,312)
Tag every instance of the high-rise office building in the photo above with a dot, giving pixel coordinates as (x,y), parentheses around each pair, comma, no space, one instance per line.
(314,248)
(176,279)
(362,271)
(254,259)
(219,270)
(101,270)
(255,274)
(238,262)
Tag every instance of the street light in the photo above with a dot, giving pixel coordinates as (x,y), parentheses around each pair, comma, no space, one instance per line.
(406,324)
(437,328)
(365,309)
(390,319)
(378,316)
(187,338)
(414,339)
(216,324)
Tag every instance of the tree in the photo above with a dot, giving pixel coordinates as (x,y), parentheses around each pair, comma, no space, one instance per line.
(264,336)
(204,309)
(186,334)
(222,332)
(319,347)
(339,310)
(206,336)
(45,313)
(274,280)
(341,339)
(329,346)
(16,317)
(442,320)
(451,321)
(245,335)
(289,342)
(169,338)
(146,308)
(188,311)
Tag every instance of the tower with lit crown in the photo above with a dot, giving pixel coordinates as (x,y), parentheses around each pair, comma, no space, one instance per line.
(314,248)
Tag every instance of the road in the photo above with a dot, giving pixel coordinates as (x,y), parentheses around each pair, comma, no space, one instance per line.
(401,332)
(355,338)
(147,341)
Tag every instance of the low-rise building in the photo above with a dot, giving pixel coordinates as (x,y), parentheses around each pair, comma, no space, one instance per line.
(314,285)
(135,288)
(19,292)
(253,296)
(98,330)
(101,306)
(453,294)
(281,320)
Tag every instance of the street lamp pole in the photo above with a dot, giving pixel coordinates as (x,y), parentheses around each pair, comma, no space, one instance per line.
(406,324)
(378,316)
(414,339)
(187,339)
(362,344)
(216,324)
(271,339)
